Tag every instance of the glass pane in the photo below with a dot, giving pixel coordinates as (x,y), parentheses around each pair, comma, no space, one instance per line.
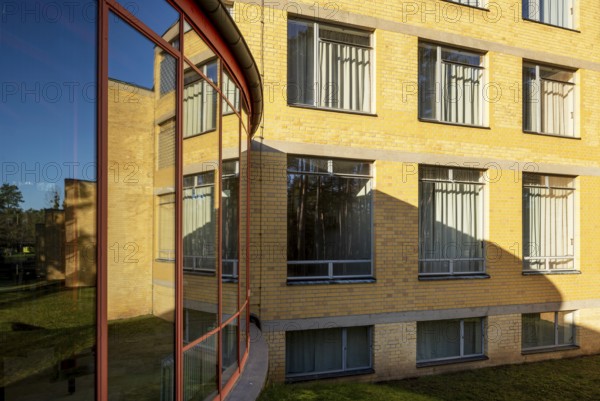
(229,350)
(461,56)
(538,330)
(313,351)
(202,193)
(48,200)
(158,15)
(427,82)
(141,218)
(343,35)
(438,339)
(301,59)
(358,347)
(200,370)
(566,328)
(531,92)
(352,269)
(472,337)
(316,228)
(308,270)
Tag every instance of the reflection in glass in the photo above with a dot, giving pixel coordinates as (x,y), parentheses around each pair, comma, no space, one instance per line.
(158,15)
(200,370)
(47,207)
(229,350)
(141,215)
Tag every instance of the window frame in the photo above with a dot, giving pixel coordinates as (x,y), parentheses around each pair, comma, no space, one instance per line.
(536,101)
(344,371)
(481,4)
(439,95)
(461,357)
(316,78)
(526,240)
(330,262)
(481,219)
(164,200)
(207,91)
(556,345)
(526,4)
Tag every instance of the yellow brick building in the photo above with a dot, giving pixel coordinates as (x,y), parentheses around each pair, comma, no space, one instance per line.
(487,258)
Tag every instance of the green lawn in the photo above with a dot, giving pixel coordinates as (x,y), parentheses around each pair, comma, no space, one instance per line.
(559,380)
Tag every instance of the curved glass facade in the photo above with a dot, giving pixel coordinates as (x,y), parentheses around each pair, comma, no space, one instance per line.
(123,203)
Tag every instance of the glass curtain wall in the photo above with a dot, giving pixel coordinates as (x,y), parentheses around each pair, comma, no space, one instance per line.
(123,176)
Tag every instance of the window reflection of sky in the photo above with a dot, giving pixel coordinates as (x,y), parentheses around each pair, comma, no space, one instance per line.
(48,89)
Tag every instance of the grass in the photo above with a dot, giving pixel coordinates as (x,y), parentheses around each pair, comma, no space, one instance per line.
(558,380)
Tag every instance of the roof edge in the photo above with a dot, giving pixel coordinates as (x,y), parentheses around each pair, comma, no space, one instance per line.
(217,13)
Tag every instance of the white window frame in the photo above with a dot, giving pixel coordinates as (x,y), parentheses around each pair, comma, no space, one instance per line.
(462,341)
(439,93)
(531,12)
(556,327)
(317,86)
(331,262)
(481,218)
(526,239)
(344,344)
(536,100)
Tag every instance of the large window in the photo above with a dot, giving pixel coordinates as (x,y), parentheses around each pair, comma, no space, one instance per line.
(450,221)
(548,100)
(548,222)
(548,329)
(552,12)
(329,218)
(450,339)
(451,85)
(329,66)
(327,351)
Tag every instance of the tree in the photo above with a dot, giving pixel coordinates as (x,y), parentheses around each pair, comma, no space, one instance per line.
(10,198)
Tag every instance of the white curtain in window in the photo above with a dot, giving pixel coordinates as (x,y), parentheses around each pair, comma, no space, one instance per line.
(345,76)
(199,238)
(555,12)
(461,94)
(549,227)
(199,108)
(451,228)
(557,108)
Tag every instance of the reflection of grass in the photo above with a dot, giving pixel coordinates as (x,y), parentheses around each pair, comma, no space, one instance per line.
(558,380)
(39,329)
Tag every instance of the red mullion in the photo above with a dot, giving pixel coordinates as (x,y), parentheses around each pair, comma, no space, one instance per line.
(158,40)
(239,214)
(248,194)
(102,209)
(179,222)
(220,238)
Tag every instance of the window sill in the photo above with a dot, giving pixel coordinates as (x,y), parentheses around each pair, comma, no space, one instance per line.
(468,5)
(549,349)
(332,281)
(454,277)
(548,24)
(549,272)
(452,361)
(427,120)
(551,135)
(307,106)
(330,375)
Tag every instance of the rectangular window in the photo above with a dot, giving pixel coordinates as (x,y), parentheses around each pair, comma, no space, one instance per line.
(450,339)
(329,218)
(166,227)
(552,12)
(328,351)
(329,66)
(451,85)
(548,222)
(199,101)
(548,100)
(232,93)
(451,221)
(548,329)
